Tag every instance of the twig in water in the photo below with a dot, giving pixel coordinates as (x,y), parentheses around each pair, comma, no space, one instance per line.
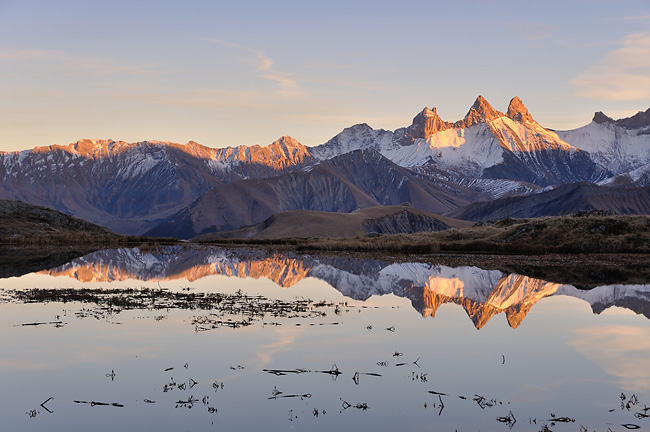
(46,408)
(404,364)
(279,372)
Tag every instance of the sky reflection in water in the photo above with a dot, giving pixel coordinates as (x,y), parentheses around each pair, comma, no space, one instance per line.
(540,350)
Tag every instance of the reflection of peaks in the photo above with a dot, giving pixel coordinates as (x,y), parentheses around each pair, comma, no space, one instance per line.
(285,272)
(482,293)
(513,294)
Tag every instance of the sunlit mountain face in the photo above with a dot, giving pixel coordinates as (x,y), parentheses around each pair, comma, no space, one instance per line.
(481,293)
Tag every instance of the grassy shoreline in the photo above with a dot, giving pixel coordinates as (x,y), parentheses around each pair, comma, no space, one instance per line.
(577,234)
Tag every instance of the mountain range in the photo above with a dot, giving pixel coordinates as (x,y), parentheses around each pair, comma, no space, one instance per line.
(184,190)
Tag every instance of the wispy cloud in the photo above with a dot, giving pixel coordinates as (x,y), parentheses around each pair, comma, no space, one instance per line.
(531,31)
(24,55)
(265,68)
(623,74)
(632,18)
(72,64)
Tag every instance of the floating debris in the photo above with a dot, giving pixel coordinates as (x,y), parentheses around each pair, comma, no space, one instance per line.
(334,371)
(186,403)
(280,372)
(404,364)
(555,419)
(277,394)
(46,408)
(510,419)
(360,406)
(482,402)
(95,403)
(223,307)
(54,323)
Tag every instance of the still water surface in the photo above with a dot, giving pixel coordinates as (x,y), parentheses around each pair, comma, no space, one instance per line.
(242,340)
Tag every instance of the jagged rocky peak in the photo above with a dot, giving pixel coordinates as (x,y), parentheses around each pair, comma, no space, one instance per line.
(287,141)
(427,123)
(92,148)
(637,121)
(480,112)
(359,128)
(517,111)
(280,154)
(600,117)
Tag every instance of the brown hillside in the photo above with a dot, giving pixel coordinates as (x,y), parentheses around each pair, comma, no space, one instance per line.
(315,224)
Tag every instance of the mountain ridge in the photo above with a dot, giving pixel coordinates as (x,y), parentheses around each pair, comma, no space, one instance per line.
(487,155)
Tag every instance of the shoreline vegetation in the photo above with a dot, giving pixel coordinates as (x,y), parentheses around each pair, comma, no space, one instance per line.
(587,247)
(581,233)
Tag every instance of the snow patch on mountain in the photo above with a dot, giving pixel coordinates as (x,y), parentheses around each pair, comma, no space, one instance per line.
(470,150)
(620,150)
(357,137)
(526,137)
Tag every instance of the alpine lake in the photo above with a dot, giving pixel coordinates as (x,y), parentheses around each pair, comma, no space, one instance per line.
(207,339)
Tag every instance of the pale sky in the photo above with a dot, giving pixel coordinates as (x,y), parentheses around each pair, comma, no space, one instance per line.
(226,73)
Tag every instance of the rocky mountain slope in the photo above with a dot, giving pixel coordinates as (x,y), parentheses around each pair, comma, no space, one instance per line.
(346,183)
(133,188)
(564,200)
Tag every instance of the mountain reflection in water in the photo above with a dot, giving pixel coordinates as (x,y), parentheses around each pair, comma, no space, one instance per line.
(481,293)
